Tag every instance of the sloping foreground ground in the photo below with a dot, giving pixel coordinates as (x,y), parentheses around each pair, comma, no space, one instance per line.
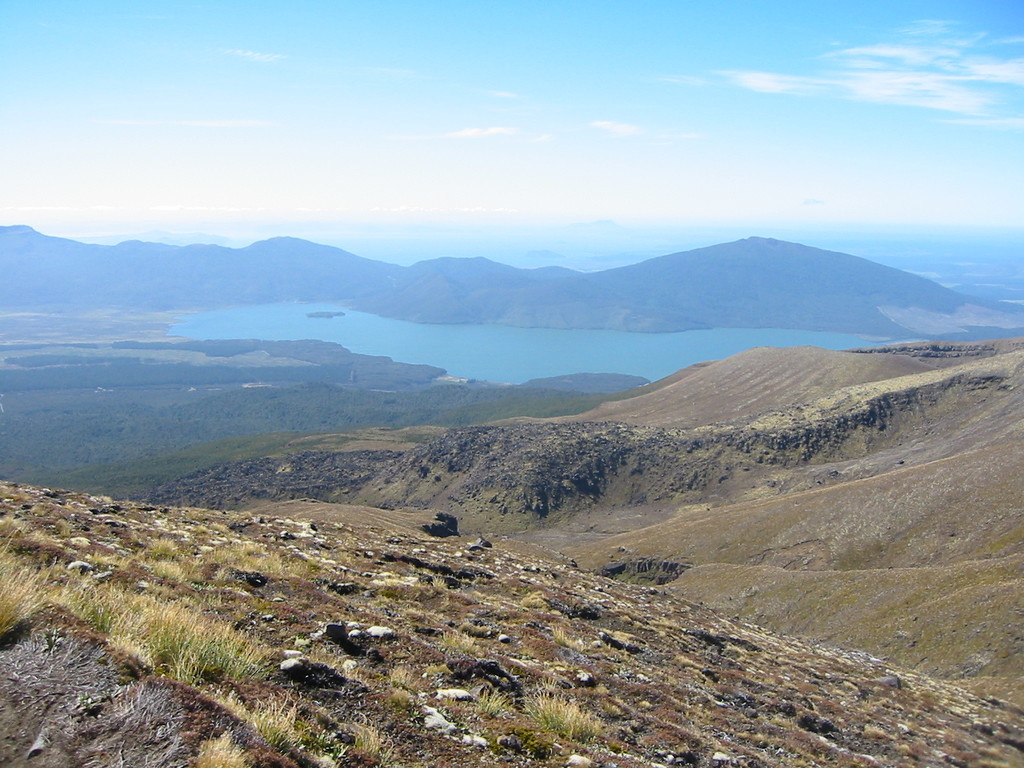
(177,637)
(884,515)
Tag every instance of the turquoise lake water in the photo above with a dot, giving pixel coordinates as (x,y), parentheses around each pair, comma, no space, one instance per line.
(494,352)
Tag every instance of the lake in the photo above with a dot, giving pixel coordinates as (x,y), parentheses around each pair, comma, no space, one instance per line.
(495,352)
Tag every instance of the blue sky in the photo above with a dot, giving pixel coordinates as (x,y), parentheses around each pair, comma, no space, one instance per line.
(306,116)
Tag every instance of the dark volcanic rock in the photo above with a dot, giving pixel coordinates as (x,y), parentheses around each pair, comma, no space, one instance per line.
(443,525)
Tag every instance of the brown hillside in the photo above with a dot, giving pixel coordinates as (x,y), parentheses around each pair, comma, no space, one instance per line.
(744,385)
(962,508)
(960,621)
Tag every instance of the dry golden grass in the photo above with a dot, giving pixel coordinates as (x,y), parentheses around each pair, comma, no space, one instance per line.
(460,643)
(101,607)
(564,717)
(221,752)
(182,643)
(494,703)
(403,677)
(564,637)
(373,743)
(23,592)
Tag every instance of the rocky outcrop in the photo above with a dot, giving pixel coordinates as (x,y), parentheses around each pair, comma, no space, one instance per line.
(506,478)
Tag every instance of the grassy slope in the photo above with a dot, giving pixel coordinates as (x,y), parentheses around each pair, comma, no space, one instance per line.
(666,676)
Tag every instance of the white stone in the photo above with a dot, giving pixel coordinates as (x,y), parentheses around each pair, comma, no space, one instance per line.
(475,741)
(454,694)
(437,722)
(579,761)
(380,632)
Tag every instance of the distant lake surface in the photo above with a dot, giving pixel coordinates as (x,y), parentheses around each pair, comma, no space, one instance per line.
(496,352)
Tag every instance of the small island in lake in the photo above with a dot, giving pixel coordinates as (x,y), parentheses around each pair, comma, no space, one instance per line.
(327,315)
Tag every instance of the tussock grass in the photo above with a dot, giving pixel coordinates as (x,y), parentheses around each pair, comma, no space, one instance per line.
(192,648)
(221,752)
(22,593)
(494,703)
(564,717)
(534,601)
(100,608)
(460,643)
(174,640)
(373,743)
(253,556)
(564,637)
(273,720)
(12,527)
(402,677)
(162,548)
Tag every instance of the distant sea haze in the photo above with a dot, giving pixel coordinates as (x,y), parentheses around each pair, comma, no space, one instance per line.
(498,353)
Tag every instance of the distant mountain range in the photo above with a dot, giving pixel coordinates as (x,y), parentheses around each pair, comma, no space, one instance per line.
(750,283)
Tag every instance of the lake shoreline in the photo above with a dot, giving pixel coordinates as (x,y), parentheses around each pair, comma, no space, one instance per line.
(500,354)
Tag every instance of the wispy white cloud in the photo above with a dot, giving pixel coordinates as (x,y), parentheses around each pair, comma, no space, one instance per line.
(504,94)
(263,58)
(929,66)
(479,133)
(771,82)
(617,129)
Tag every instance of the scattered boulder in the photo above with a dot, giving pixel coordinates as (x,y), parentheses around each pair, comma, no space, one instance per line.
(510,741)
(443,526)
(585,680)
(579,761)
(487,670)
(312,673)
(435,721)
(343,587)
(454,694)
(820,725)
(252,578)
(619,645)
(338,633)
